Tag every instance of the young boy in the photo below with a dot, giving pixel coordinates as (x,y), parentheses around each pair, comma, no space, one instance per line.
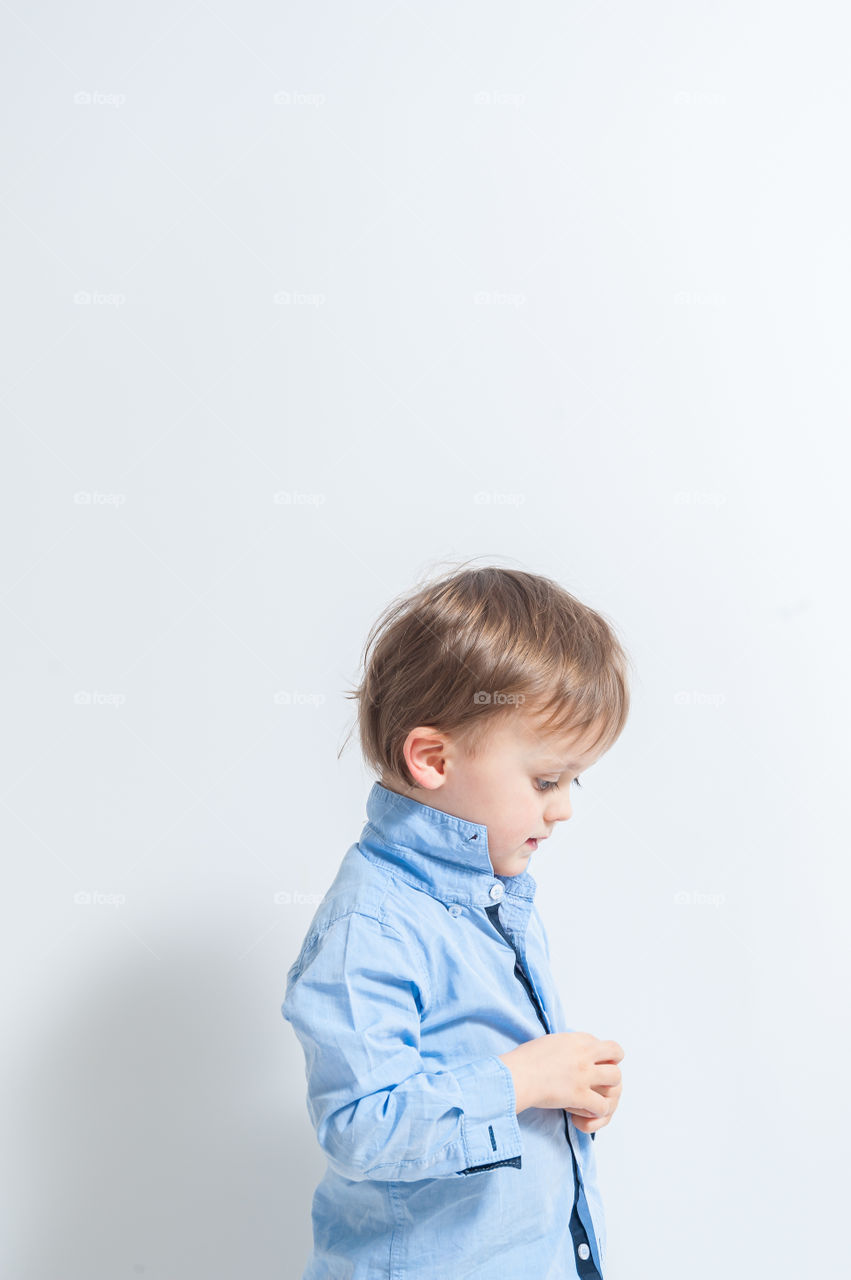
(456,1110)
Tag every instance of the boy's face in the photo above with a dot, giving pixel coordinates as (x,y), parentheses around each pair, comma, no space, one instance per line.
(509,786)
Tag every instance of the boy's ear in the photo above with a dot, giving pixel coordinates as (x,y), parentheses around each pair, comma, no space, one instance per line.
(426,751)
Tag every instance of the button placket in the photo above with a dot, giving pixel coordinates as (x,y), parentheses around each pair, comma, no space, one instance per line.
(576,1226)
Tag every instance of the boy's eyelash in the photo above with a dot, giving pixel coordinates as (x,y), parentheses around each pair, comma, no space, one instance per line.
(553,786)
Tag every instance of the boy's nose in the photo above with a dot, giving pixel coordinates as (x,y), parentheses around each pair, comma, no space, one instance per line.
(559,809)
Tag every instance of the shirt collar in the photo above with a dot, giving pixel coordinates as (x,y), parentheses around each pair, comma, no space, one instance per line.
(445,856)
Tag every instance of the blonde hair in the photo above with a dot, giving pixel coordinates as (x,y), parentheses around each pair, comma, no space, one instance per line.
(467,648)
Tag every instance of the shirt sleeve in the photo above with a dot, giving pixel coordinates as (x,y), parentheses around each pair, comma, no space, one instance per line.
(353,999)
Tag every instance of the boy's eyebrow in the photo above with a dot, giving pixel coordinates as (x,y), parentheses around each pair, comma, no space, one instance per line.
(566,764)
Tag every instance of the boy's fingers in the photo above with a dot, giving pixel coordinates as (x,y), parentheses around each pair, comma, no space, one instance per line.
(612,1094)
(610,1051)
(608,1076)
(592,1125)
(599,1106)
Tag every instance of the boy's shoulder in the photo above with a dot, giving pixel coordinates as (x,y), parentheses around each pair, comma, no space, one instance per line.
(360,887)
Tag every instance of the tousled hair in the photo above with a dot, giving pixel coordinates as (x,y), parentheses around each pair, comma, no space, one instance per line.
(465,650)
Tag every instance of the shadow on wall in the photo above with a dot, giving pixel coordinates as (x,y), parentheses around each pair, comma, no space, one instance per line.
(160,1128)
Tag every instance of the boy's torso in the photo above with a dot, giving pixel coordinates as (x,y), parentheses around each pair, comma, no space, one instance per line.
(479,992)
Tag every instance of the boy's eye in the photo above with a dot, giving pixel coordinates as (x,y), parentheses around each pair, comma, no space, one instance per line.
(547,785)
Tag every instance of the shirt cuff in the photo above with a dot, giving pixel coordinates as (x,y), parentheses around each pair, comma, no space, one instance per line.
(489,1128)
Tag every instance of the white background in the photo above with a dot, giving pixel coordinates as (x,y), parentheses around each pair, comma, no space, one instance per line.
(301,301)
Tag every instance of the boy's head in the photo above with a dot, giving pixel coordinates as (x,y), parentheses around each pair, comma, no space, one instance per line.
(484,694)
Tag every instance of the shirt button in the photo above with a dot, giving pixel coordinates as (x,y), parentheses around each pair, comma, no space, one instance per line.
(583,1251)
(497,890)
(454,909)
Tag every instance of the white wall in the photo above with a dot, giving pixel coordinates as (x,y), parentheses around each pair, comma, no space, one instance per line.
(569,291)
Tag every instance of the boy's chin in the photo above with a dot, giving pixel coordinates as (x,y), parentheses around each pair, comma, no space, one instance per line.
(512,864)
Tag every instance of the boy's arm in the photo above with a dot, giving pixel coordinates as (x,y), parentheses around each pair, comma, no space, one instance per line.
(352,999)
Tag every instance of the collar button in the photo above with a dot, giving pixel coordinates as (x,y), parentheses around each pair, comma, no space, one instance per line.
(497,890)
(454,909)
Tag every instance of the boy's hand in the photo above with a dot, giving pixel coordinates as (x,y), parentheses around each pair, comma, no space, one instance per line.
(589,1123)
(568,1069)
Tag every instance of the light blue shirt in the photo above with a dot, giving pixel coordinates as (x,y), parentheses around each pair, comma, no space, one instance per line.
(411,980)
